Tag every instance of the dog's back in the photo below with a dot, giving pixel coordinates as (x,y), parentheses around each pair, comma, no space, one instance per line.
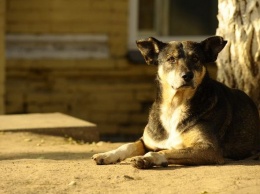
(244,125)
(236,118)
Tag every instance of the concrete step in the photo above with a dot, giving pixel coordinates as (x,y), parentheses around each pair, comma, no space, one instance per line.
(50,123)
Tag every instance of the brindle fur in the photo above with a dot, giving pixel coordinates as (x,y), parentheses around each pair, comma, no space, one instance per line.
(194,119)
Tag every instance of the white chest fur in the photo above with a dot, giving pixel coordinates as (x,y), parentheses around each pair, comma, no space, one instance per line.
(170,118)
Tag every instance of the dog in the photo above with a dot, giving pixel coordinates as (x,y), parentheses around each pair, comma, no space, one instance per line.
(194,119)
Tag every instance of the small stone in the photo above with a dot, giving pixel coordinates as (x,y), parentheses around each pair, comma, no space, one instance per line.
(100,143)
(128,177)
(72,183)
(28,140)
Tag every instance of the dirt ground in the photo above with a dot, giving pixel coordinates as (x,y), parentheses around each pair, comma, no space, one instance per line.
(33,163)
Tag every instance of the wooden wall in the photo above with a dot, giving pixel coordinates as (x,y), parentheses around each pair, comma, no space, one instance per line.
(111,91)
(2,55)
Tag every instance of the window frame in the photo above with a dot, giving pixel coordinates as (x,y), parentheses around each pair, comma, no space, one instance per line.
(133,33)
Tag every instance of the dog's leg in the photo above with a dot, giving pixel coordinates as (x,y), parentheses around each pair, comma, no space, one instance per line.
(188,156)
(125,151)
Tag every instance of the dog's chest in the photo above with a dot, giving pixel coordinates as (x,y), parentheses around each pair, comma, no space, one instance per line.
(170,118)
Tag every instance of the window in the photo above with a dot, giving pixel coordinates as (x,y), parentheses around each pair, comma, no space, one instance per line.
(172,19)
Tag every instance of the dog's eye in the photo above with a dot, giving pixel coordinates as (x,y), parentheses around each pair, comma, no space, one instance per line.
(195,59)
(172,60)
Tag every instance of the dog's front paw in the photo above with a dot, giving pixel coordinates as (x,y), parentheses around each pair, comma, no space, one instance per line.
(99,158)
(149,160)
(105,158)
(141,162)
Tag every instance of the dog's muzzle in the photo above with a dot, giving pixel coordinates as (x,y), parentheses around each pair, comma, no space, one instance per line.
(187,81)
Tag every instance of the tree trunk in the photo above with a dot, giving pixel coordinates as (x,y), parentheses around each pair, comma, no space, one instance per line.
(239,63)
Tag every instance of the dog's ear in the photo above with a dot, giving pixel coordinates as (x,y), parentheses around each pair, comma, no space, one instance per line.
(150,49)
(212,46)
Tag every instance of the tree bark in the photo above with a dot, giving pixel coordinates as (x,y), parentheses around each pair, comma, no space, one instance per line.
(239,63)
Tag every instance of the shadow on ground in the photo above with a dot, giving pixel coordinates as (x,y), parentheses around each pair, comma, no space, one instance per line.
(48,155)
(88,155)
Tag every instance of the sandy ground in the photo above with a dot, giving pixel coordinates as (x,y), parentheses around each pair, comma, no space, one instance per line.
(33,163)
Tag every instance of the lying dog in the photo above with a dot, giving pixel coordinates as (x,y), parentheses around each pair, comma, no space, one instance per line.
(194,120)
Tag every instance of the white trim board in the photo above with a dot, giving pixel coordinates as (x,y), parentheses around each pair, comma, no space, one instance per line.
(48,46)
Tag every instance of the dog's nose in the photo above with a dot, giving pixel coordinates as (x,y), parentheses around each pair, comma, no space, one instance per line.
(187,76)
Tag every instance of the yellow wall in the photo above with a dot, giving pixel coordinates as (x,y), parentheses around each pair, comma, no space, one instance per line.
(110,92)
(71,16)
(2,54)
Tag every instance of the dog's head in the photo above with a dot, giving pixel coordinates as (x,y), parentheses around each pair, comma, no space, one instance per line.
(181,64)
